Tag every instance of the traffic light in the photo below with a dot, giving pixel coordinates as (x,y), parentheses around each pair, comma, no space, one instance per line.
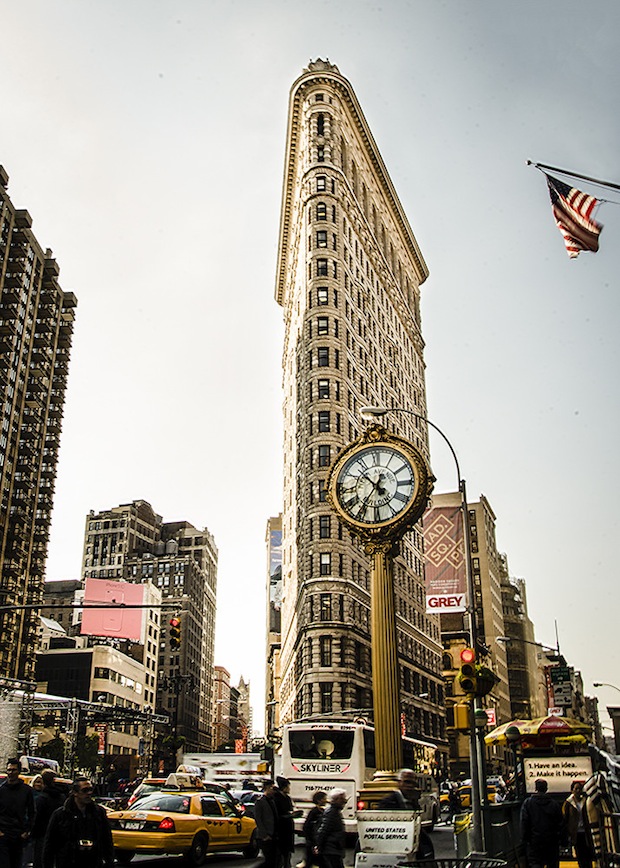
(468,675)
(486,680)
(175,633)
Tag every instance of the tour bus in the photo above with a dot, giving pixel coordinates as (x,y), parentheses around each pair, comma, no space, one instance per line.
(319,754)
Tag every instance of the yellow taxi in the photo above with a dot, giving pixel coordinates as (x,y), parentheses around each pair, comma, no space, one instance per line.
(465,794)
(188,821)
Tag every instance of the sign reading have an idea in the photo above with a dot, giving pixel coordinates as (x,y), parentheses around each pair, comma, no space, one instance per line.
(558,771)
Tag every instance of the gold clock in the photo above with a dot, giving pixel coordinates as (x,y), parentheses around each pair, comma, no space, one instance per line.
(380,484)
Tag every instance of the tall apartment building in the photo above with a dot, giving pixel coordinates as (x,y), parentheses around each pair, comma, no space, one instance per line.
(36,327)
(521,657)
(348,280)
(132,542)
(487,566)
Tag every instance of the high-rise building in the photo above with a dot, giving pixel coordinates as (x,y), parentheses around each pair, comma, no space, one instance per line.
(487,566)
(348,280)
(132,542)
(521,650)
(36,327)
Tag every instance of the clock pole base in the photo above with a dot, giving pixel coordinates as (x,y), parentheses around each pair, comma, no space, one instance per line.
(382,784)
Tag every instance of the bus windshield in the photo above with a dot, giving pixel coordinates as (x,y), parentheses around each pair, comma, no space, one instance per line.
(320,743)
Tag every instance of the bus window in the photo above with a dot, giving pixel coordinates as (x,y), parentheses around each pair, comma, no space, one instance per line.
(369,749)
(320,744)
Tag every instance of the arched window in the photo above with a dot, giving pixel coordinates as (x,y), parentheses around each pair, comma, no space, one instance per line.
(321,211)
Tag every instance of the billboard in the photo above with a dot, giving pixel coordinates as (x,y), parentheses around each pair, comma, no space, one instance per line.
(111,621)
(444,556)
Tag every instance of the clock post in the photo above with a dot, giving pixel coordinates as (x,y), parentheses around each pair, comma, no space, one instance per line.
(379,487)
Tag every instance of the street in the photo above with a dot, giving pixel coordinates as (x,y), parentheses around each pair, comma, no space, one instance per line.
(442,837)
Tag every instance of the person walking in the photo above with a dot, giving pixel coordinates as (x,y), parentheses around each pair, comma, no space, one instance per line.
(78,834)
(406,798)
(16,816)
(541,828)
(266,819)
(330,836)
(311,827)
(50,799)
(573,811)
(454,802)
(286,823)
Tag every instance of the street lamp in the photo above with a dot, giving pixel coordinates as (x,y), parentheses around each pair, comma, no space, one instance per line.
(606,684)
(508,639)
(475,748)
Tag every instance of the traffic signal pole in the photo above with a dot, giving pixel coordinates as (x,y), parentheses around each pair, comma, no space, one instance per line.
(475,760)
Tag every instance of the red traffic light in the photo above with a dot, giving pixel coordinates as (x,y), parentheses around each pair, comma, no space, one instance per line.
(468,655)
(175,633)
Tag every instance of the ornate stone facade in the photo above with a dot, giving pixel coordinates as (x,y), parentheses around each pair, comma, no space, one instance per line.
(348,280)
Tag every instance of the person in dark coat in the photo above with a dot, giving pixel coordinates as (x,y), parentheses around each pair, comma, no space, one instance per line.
(286,823)
(266,819)
(79,835)
(406,798)
(574,812)
(16,816)
(311,827)
(331,836)
(541,828)
(50,799)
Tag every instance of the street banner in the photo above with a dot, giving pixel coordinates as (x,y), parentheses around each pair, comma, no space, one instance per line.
(113,620)
(446,577)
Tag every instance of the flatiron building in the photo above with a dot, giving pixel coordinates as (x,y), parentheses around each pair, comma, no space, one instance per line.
(348,279)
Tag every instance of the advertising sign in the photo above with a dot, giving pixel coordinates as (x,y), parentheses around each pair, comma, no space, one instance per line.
(113,620)
(388,831)
(558,771)
(446,579)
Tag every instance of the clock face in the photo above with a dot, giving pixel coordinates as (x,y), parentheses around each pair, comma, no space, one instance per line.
(376,485)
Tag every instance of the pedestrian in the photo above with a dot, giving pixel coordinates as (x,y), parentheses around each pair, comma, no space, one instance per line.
(79,834)
(50,799)
(574,812)
(286,822)
(541,828)
(311,827)
(266,819)
(406,798)
(454,802)
(112,780)
(16,816)
(330,836)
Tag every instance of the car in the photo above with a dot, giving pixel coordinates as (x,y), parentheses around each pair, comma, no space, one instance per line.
(248,800)
(145,787)
(190,822)
(465,794)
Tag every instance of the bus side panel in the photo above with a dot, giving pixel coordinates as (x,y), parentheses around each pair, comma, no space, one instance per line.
(302,790)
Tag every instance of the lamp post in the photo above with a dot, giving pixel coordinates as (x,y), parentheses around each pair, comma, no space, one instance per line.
(513,737)
(475,750)
(606,684)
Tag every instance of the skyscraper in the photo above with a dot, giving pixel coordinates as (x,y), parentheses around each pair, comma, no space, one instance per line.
(132,542)
(36,327)
(348,279)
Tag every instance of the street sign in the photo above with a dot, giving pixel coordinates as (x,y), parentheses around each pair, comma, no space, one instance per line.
(559,673)
(555,711)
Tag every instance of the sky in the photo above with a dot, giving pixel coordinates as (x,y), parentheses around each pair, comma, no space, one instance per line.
(146,139)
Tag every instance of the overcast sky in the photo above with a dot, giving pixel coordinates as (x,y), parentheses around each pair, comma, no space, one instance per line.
(146,139)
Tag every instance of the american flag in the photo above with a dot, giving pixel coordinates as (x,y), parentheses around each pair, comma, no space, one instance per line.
(572,210)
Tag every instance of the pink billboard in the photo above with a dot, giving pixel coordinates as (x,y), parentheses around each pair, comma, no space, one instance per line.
(113,620)
(444,557)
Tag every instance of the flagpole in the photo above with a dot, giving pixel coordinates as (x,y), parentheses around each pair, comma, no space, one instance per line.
(574,175)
